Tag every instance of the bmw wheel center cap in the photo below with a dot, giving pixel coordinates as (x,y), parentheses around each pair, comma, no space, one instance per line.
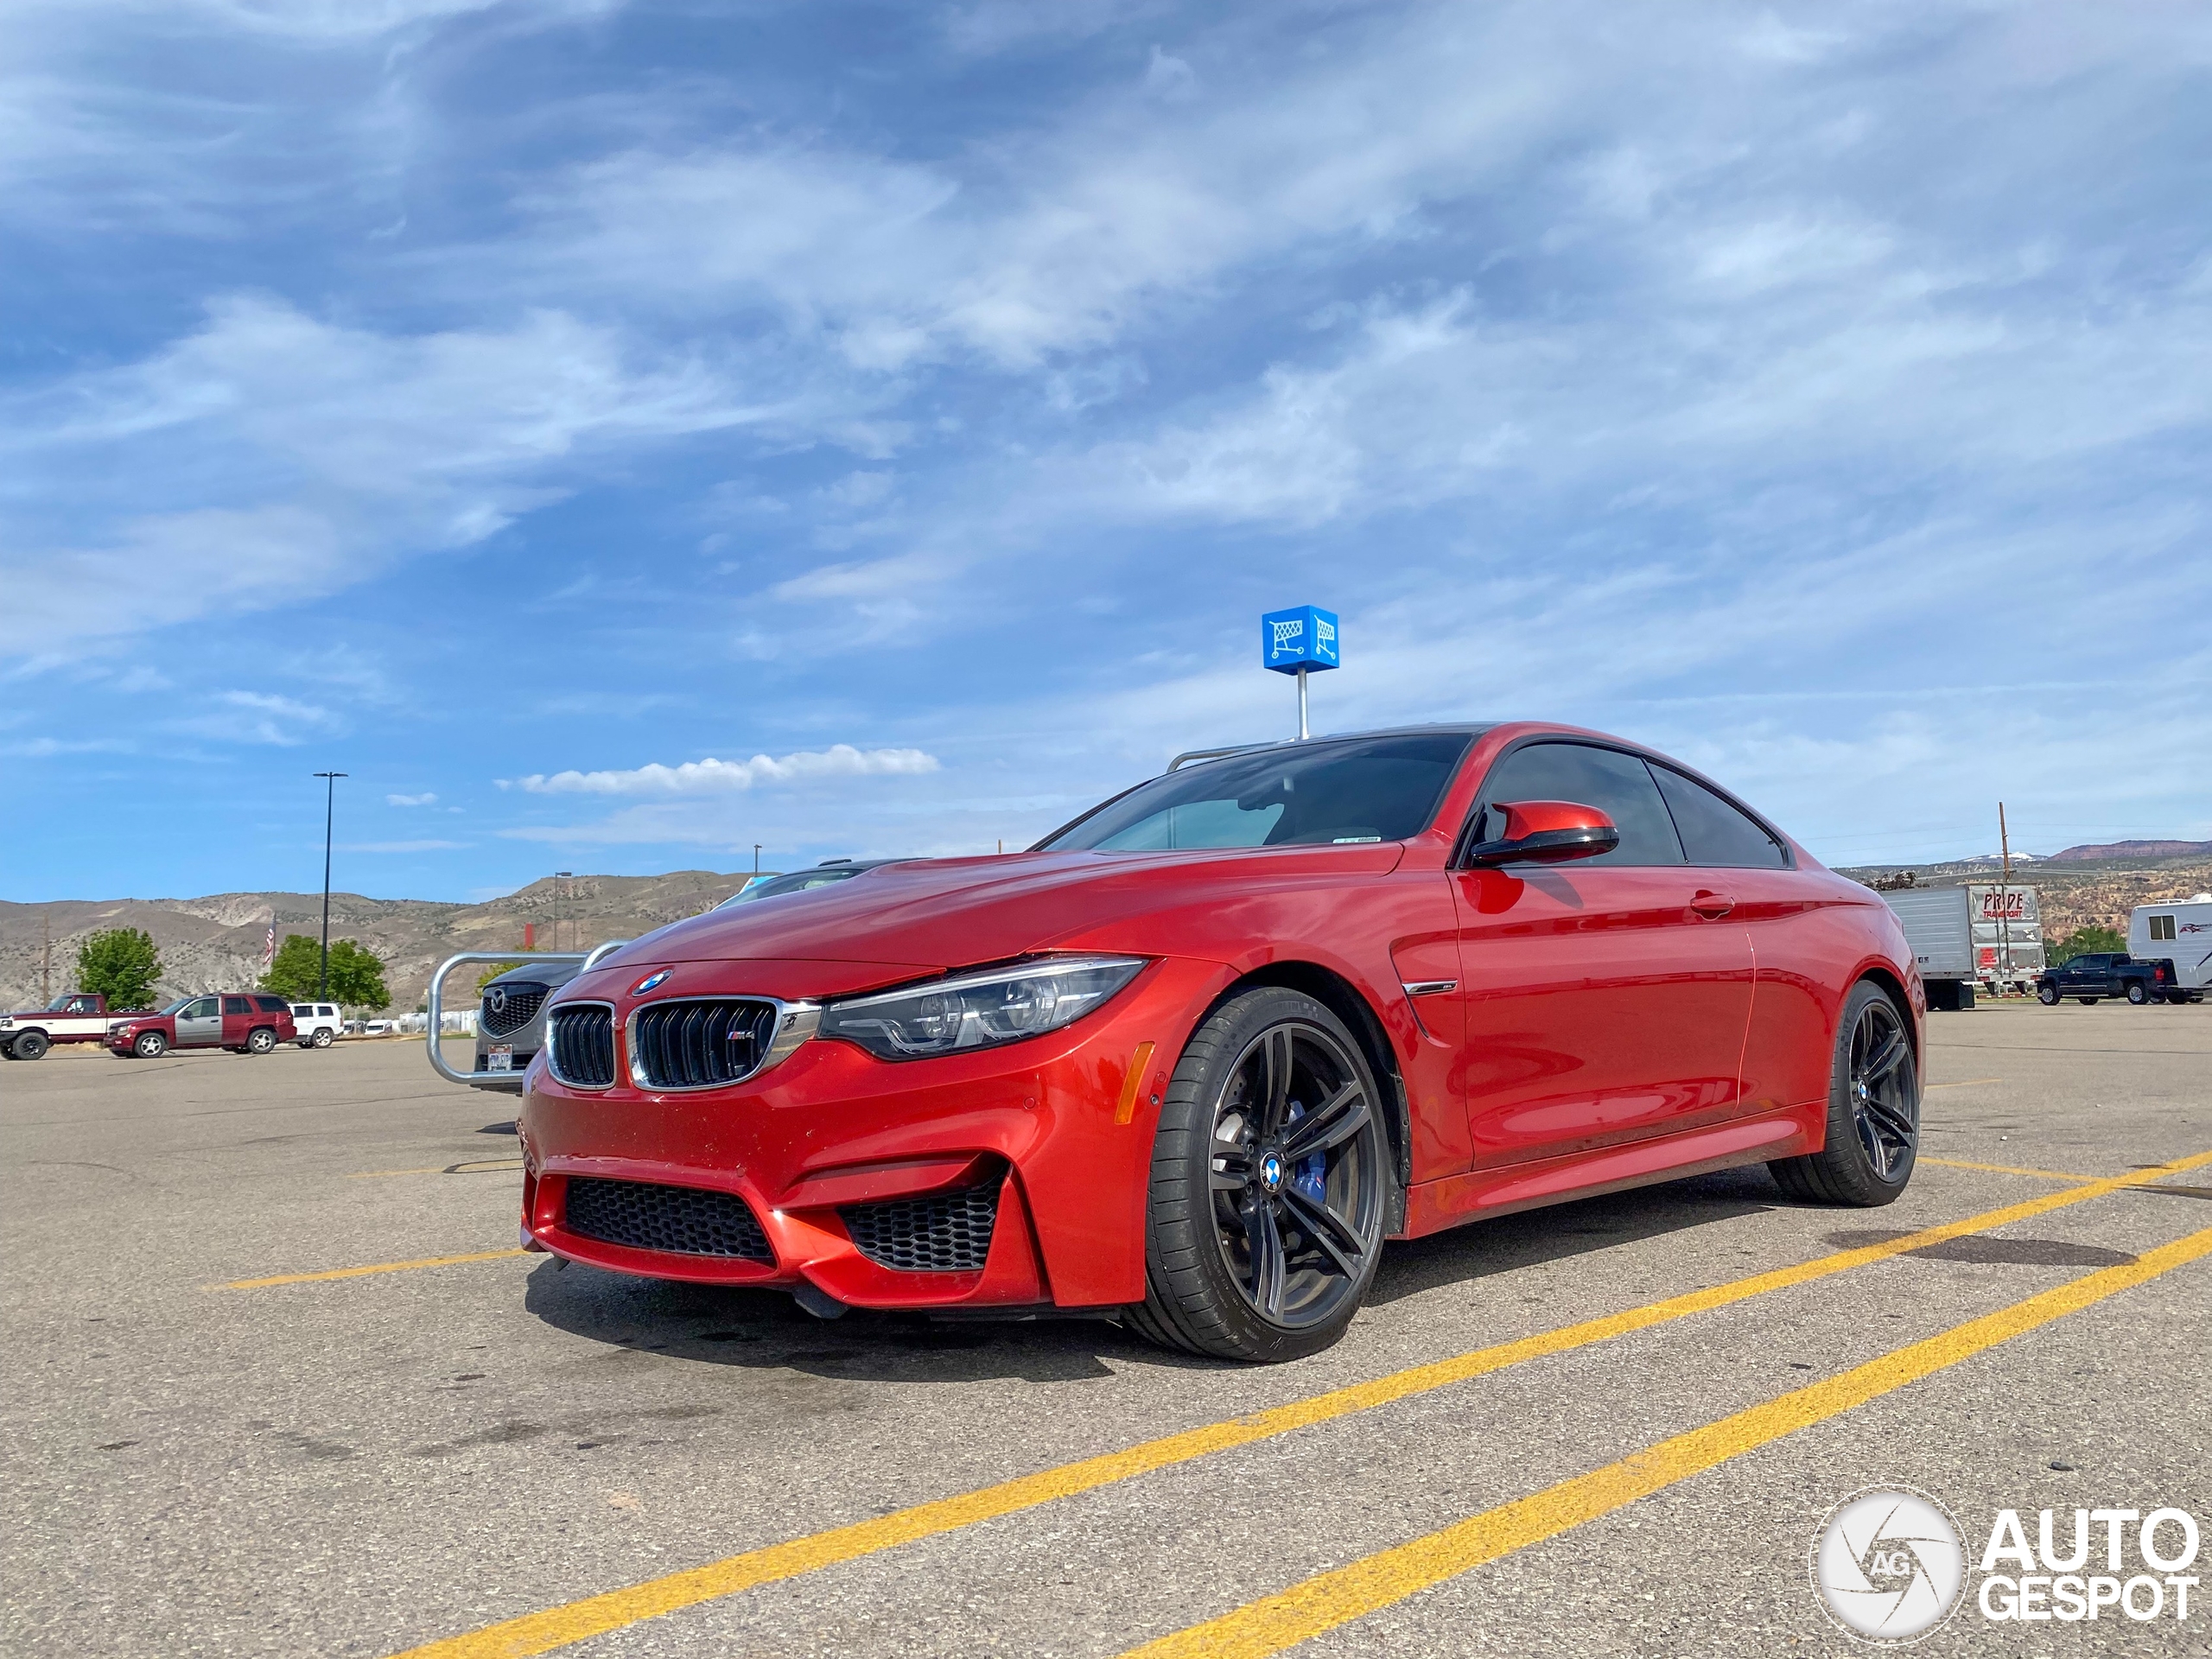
(1271,1172)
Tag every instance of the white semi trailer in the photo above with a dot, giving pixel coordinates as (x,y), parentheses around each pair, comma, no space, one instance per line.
(1984,936)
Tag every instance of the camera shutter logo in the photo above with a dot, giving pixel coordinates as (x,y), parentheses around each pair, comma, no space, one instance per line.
(1889,1564)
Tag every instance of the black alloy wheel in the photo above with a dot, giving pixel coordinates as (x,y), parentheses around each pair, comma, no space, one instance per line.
(1873,1127)
(1265,1224)
(31,1046)
(260,1041)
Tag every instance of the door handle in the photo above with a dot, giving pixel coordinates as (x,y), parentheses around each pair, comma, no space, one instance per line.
(1712,906)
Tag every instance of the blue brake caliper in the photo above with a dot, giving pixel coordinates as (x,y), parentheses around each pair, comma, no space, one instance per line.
(1308,1177)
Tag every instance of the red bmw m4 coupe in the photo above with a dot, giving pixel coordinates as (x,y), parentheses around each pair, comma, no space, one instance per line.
(1193,1058)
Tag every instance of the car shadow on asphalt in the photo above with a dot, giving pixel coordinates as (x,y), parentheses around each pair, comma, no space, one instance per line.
(1563,1231)
(766,1330)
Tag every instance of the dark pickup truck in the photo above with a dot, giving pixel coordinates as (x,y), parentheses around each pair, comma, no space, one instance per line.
(2099,976)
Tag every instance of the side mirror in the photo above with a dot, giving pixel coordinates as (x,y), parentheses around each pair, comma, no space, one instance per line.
(1546,832)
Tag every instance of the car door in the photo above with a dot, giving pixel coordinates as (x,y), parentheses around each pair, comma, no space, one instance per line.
(237,1018)
(200,1023)
(1599,1004)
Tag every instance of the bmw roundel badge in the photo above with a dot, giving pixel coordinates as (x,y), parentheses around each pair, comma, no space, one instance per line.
(649,981)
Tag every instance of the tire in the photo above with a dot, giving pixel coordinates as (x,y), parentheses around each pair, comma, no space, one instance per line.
(2138,994)
(307,1042)
(322,1039)
(2047,996)
(1873,1111)
(2088,1002)
(1251,1254)
(150,1045)
(259,1040)
(30,1045)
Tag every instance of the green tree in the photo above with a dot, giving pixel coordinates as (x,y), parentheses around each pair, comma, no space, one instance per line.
(492,973)
(356,975)
(2084,941)
(120,964)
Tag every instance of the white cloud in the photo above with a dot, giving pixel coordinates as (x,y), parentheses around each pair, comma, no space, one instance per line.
(424,799)
(711,777)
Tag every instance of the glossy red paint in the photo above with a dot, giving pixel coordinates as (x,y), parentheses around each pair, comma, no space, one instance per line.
(1580,1028)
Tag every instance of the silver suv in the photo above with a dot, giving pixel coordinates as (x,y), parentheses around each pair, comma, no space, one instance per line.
(510,1019)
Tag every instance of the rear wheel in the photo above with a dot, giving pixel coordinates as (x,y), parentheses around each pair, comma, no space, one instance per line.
(150,1045)
(1264,1220)
(31,1046)
(1873,1111)
(260,1041)
(2138,994)
(322,1038)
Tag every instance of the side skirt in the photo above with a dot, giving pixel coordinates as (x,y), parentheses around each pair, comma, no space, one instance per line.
(1432,1206)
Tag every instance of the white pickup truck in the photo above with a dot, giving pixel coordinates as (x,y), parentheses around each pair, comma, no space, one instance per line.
(72,1017)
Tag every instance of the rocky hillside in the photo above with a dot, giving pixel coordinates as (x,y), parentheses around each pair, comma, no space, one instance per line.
(2082,886)
(216,942)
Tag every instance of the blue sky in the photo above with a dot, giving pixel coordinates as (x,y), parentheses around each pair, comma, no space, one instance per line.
(619,434)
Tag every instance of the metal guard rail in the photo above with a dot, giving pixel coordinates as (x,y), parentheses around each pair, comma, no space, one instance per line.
(587,959)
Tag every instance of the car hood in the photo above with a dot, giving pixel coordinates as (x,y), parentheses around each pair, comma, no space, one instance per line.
(952,913)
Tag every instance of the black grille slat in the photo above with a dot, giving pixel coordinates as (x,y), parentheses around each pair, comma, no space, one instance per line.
(679,1220)
(700,1043)
(942,1232)
(583,1045)
(519,1006)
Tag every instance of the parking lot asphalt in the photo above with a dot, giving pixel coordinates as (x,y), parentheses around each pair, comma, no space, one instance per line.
(1607,1427)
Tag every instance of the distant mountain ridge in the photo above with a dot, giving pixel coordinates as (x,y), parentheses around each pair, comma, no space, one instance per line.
(215,943)
(2134,849)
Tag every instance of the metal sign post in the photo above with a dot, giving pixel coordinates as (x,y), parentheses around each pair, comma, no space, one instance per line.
(1296,642)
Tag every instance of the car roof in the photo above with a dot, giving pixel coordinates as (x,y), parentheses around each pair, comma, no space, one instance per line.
(1447,727)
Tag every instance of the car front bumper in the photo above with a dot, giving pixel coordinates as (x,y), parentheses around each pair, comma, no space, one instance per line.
(1056,1128)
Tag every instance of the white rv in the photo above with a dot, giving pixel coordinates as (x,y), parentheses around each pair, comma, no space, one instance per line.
(2180,932)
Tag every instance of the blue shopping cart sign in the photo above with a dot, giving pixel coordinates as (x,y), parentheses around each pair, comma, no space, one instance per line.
(1304,637)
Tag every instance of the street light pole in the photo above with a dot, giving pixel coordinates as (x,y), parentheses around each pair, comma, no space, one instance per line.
(329,812)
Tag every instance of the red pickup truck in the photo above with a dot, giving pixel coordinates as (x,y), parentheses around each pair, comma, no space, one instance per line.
(250,1023)
(73,1017)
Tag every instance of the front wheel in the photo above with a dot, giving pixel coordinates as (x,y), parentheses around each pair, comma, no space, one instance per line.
(150,1045)
(1873,1111)
(31,1046)
(2047,996)
(260,1041)
(1264,1220)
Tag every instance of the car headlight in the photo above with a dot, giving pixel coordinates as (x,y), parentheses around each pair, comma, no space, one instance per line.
(978,1010)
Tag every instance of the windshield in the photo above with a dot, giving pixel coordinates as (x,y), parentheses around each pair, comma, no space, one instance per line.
(776,885)
(1297,795)
(181,1003)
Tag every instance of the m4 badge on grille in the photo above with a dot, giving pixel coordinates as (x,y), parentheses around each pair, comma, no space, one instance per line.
(649,981)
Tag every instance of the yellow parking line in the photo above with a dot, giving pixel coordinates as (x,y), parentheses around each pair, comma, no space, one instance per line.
(556,1627)
(2007,1169)
(358,1273)
(1266,1627)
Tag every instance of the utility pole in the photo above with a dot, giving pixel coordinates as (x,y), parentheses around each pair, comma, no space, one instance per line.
(329,812)
(46,958)
(756,859)
(2004,898)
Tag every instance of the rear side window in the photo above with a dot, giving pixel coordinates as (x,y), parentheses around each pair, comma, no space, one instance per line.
(237,1005)
(1617,785)
(270,1004)
(1714,831)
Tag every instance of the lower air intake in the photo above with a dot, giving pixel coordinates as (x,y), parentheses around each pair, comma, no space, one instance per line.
(682,1220)
(944,1232)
